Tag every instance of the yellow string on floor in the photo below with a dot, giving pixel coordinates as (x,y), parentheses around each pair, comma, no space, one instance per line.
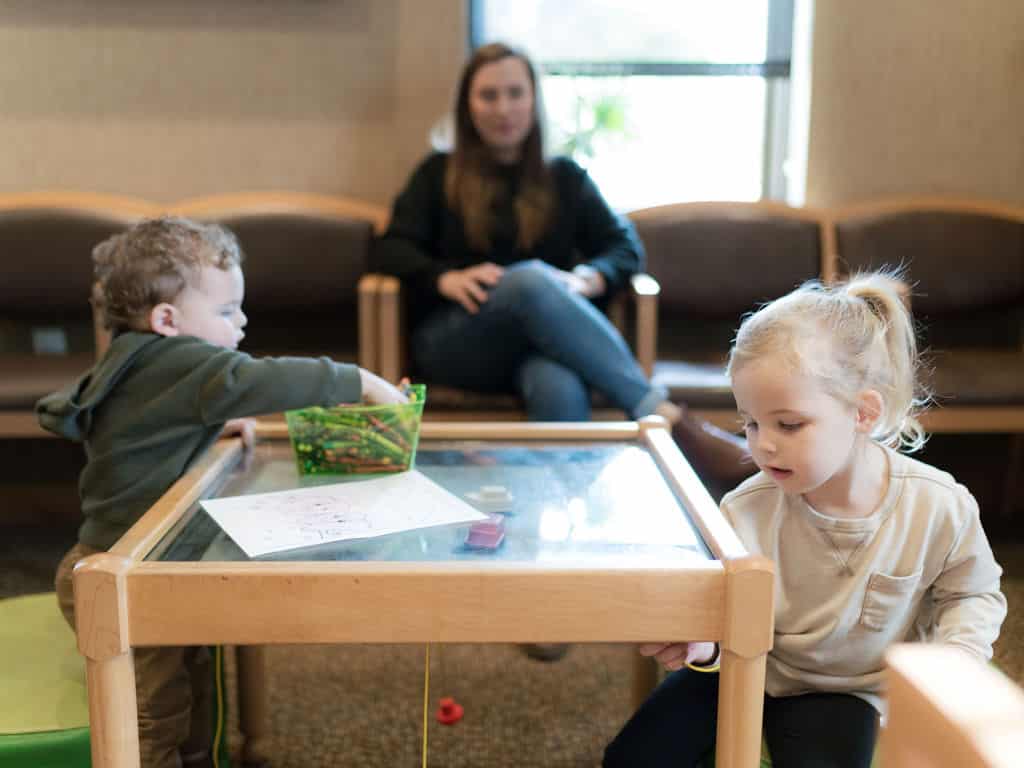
(218,660)
(426,703)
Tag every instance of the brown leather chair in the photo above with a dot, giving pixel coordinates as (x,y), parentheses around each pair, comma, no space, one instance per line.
(636,309)
(965,262)
(715,261)
(305,256)
(46,327)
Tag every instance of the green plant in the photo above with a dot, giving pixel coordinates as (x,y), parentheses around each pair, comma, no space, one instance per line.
(595,116)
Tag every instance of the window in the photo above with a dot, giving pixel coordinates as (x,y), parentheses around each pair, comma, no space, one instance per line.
(662,101)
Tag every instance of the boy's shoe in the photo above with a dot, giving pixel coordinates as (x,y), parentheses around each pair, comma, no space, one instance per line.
(545,651)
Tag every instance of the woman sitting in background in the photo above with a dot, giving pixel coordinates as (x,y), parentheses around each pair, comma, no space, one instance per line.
(508,257)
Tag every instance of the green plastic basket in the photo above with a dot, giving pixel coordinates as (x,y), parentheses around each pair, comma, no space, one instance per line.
(357,439)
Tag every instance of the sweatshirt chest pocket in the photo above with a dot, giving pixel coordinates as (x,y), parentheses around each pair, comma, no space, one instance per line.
(886,599)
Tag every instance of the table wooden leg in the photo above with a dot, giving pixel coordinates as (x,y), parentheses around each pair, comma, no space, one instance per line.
(113,715)
(250,663)
(890,752)
(101,618)
(746,640)
(740,708)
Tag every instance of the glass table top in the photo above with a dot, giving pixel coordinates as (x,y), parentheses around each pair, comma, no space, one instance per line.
(578,504)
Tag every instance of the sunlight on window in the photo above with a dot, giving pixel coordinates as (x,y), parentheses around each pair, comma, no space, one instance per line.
(662,101)
(722,31)
(668,139)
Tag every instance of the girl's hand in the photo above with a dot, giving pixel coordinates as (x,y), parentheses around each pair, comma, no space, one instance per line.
(377,391)
(243,428)
(674,656)
(468,287)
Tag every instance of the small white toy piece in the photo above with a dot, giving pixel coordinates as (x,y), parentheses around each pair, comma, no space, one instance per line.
(491,498)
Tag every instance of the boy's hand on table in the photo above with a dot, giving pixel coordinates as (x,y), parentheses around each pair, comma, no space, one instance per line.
(380,392)
(243,428)
(674,656)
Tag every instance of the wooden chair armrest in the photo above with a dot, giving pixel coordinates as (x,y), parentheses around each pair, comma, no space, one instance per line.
(391,345)
(645,293)
(369,334)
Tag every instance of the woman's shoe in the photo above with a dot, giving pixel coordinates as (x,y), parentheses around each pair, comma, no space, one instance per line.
(721,458)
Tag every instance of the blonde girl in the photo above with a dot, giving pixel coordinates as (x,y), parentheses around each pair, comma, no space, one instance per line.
(871,546)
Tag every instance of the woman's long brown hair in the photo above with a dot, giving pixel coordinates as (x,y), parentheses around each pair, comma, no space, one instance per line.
(471,184)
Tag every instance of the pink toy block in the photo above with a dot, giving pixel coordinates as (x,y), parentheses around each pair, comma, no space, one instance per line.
(487,534)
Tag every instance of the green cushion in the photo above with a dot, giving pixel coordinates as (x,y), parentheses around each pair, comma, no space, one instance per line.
(43,674)
(48,749)
(44,712)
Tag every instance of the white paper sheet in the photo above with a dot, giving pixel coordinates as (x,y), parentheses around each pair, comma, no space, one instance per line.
(272,522)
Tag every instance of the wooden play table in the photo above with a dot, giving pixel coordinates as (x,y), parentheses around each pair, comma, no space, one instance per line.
(611,539)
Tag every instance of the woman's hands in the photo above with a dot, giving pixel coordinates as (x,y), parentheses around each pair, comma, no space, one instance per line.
(584,280)
(380,392)
(468,286)
(675,656)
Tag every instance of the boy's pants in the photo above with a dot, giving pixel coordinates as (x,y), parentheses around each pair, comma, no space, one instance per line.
(172,686)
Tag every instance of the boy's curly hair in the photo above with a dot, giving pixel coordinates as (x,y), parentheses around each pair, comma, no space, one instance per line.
(151,263)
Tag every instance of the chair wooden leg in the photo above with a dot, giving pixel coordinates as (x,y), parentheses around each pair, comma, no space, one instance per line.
(250,663)
(1011,485)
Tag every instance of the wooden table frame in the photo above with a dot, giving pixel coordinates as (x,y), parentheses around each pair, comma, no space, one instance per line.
(123,601)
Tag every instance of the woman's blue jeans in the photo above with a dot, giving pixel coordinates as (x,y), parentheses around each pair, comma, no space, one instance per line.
(534,337)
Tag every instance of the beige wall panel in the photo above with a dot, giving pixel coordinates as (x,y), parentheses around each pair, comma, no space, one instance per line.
(917,97)
(433,43)
(176,99)
(166,160)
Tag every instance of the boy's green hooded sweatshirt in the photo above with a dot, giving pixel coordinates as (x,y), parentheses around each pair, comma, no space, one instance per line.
(155,403)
